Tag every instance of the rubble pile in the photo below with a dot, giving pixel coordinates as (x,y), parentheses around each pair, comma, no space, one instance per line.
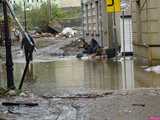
(39,35)
(72,48)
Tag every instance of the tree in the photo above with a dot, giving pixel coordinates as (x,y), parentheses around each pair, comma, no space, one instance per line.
(42,15)
(41,18)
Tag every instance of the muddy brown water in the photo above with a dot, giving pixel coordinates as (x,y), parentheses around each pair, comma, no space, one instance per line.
(57,77)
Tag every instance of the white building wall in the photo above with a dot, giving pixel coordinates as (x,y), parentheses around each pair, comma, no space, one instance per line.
(69,3)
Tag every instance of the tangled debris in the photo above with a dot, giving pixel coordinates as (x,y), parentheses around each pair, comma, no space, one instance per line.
(3,92)
(79,96)
(31,104)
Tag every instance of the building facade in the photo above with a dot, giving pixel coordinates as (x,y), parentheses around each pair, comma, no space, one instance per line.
(69,3)
(95,21)
(146,30)
(101,25)
(106,27)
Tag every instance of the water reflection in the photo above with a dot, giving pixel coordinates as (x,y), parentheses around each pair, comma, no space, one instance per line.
(99,75)
(94,75)
(0,73)
(127,74)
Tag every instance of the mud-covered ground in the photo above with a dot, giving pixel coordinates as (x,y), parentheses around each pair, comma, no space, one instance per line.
(47,47)
(138,104)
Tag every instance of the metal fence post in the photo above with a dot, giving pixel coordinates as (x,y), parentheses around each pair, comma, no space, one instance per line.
(9,61)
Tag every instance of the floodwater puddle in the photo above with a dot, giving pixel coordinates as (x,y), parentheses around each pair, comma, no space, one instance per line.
(57,77)
(54,80)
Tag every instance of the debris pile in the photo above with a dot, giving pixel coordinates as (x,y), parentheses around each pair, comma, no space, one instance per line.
(155,69)
(39,35)
(72,48)
(68,32)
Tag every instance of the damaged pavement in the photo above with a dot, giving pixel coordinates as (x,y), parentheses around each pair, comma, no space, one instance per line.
(113,105)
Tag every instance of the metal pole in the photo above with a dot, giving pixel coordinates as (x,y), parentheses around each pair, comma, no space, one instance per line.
(115,32)
(9,61)
(101,22)
(25,16)
(82,17)
(124,47)
(115,46)
(123,35)
(87,19)
(98,22)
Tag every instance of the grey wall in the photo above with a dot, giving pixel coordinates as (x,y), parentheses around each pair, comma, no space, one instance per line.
(146,29)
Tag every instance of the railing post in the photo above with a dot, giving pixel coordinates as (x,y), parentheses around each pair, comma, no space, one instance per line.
(9,61)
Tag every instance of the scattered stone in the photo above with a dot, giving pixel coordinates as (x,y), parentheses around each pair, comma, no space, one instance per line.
(139,105)
(22,94)
(12,93)
(123,93)
(19,103)
(108,93)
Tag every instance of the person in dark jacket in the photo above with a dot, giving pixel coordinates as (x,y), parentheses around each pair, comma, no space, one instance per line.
(28,49)
(93,48)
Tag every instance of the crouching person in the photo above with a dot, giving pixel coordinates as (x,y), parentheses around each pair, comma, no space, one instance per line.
(93,48)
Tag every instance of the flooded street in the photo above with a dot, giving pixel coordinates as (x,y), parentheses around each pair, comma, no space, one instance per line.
(54,77)
(71,89)
(79,60)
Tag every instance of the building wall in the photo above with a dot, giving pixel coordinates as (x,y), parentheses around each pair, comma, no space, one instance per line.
(146,29)
(95,21)
(69,3)
(98,24)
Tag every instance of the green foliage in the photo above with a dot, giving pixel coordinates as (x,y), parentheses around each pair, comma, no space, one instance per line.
(39,17)
(73,13)
(57,13)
